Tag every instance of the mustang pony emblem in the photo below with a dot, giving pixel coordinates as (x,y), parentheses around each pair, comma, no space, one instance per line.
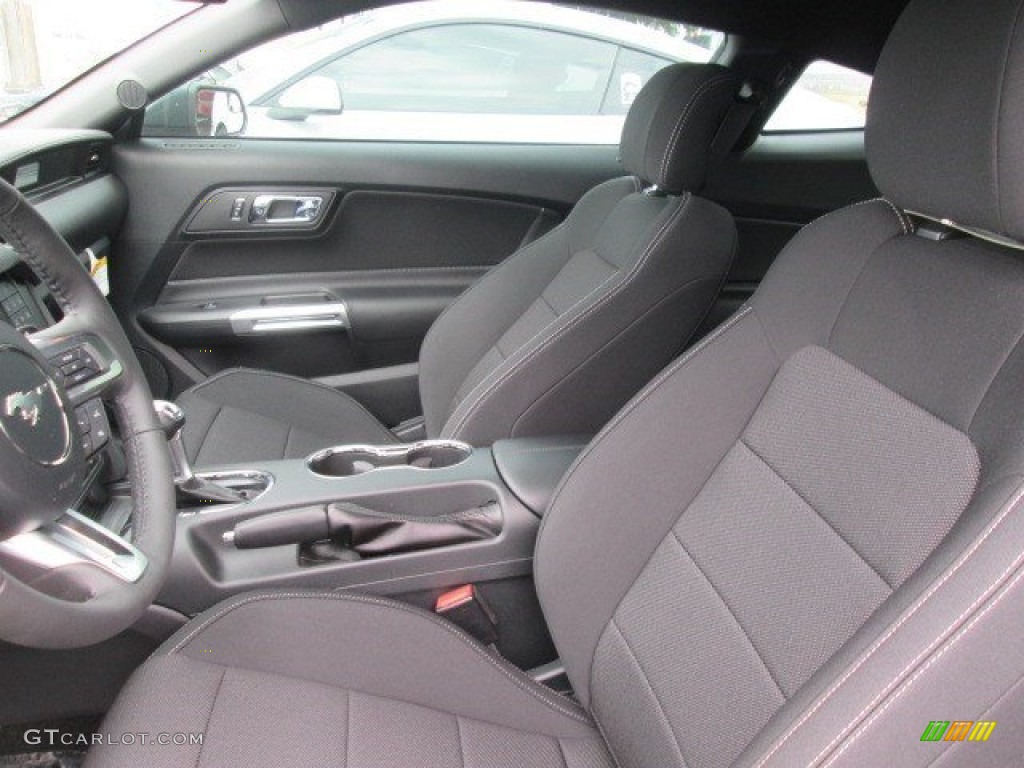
(25,405)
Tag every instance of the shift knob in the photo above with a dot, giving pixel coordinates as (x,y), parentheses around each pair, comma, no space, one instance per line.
(171,417)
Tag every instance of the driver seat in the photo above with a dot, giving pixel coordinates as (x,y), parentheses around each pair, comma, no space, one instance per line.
(799,545)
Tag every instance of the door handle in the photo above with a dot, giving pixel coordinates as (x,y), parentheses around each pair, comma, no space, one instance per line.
(286,209)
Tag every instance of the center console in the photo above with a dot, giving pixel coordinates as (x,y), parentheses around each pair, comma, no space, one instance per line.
(396,519)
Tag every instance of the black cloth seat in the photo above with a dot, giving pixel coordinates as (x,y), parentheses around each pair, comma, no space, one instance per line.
(799,545)
(330,679)
(244,415)
(558,336)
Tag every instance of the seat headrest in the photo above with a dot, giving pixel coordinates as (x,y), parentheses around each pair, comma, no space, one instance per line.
(673,121)
(946,114)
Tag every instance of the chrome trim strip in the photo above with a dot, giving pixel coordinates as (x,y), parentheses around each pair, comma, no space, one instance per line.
(76,540)
(389,451)
(307,209)
(288,318)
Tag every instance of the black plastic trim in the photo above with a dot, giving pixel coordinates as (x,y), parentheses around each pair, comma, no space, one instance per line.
(205,570)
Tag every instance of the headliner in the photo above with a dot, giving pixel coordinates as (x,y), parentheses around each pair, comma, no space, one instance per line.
(849,32)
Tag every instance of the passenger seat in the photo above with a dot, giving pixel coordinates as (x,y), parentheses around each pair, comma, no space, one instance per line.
(556,338)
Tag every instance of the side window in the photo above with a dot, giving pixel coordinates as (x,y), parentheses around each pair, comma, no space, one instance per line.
(438,70)
(825,97)
(632,71)
(476,69)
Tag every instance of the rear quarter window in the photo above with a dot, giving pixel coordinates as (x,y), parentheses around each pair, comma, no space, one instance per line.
(826,97)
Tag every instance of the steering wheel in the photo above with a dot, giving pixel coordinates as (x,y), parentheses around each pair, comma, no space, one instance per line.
(66,581)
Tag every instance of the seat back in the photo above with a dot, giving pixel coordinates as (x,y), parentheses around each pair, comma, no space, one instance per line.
(561,334)
(801,543)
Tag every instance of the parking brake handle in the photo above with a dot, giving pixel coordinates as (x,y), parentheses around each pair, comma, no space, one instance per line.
(367,531)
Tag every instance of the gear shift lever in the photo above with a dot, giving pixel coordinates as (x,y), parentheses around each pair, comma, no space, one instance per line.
(172,420)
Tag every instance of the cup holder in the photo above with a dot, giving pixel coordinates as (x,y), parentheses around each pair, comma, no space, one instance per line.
(349,460)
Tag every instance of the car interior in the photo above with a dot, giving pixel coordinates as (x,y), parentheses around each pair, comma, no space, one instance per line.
(704,449)
(596,306)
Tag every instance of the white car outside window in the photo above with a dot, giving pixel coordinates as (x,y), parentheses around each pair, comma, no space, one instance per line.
(826,97)
(456,70)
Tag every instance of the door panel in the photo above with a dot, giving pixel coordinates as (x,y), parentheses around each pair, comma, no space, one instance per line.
(402,231)
(386,315)
(374,230)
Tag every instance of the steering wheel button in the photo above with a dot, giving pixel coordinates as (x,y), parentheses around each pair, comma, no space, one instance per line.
(75,365)
(21,317)
(82,419)
(97,420)
(66,357)
(88,361)
(14,303)
(79,377)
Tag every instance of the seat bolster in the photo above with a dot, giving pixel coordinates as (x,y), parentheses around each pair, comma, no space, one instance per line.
(608,344)
(378,647)
(243,415)
(950,637)
(474,323)
(578,585)
(315,678)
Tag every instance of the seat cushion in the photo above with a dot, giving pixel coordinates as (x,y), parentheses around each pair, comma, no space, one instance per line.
(312,678)
(244,415)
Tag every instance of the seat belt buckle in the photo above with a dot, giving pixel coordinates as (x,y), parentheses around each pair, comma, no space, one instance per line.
(466,608)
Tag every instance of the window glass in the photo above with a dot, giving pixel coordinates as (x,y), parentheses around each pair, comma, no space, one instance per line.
(476,69)
(632,69)
(825,97)
(45,44)
(441,70)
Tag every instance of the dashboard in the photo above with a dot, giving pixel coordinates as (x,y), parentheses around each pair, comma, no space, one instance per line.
(23,304)
(67,176)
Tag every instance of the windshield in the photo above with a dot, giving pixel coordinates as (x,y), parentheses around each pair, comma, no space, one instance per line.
(45,44)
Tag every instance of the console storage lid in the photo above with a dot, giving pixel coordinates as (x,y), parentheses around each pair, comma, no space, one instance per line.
(532,467)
